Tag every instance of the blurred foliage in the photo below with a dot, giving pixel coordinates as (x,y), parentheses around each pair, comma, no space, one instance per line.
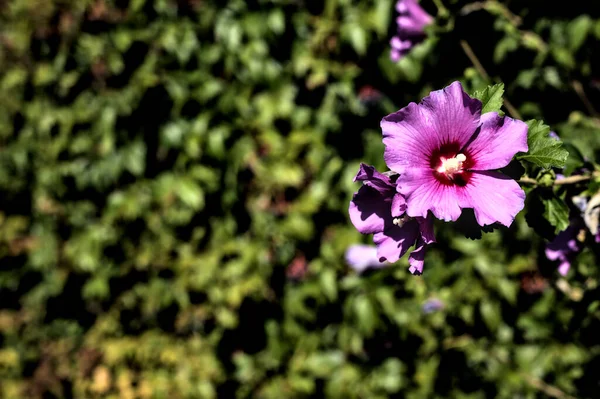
(175,177)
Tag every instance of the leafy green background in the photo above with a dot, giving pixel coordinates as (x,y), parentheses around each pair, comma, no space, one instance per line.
(174,184)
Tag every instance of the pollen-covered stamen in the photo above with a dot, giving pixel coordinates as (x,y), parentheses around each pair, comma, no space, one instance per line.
(401,220)
(450,166)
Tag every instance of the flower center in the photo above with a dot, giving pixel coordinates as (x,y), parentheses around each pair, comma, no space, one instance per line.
(451,166)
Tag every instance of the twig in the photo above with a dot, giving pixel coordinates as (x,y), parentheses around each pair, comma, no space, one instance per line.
(572,179)
(440,6)
(527,180)
(567,180)
(474,60)
(578,87)
(493,7)
(549,390)
(479,67)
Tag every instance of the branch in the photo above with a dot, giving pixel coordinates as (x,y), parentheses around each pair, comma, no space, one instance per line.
(560,182)
(479,67)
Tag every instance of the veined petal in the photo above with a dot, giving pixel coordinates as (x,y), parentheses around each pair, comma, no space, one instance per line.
(369,210)
(408,137)
(497,141)
(456,114)
(411,135)
(494,197)
(395,241)
(423,192)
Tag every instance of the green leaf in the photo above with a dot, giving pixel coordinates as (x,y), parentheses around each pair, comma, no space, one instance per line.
(575,159)
(556,212)
(365,315)
(543,151)
(505,45)
(577,31)
(491,98)
(491,314)
(329,284)
(357,36)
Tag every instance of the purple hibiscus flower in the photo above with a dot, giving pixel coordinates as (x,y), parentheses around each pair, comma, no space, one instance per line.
(411,22)
(378,209)
(362,257)
(446,152)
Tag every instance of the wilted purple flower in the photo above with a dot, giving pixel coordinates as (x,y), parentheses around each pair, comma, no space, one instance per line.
(446,151)
(411,22)
(569,242)
(564,248)
(378,209)
(361,257)
(431,305)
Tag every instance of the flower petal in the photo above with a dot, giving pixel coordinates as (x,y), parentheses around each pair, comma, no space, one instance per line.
(361,257)
(398,205)
(399,44)
(412,134)
(497,141)
(564,267)
(369,210)
(416,260)
(408,25)
(415,11)
(395,241)
(408,138)
(426,228)
(423,193)
(374,179)
(564,247)
(456,115)
(565,243)
(494,197)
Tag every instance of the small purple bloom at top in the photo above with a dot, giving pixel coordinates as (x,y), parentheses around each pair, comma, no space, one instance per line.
(446,153)
(362,257)
(564,248)
(378,209)
(411,21)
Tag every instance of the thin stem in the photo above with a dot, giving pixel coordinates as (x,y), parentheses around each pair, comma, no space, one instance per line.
(561,182)
(548,389)
(527,180)
(572,180)
(479,67)
(493,7)
(578,87)
(474,60)
(443,11)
